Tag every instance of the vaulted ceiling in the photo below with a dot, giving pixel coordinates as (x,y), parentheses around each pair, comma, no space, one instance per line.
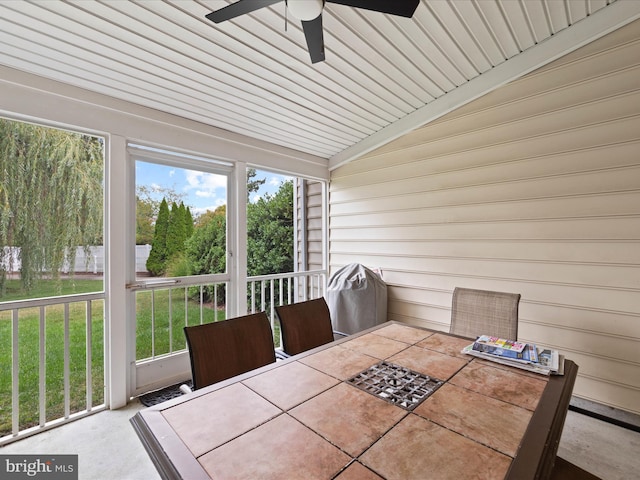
(383,75)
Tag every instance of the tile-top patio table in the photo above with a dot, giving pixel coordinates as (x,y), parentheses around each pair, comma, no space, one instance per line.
(393,402)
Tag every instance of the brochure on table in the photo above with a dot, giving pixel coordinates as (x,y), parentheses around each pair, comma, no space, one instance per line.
(526,356)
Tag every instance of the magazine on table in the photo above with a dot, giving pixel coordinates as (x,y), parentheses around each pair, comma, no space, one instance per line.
(526,352)
(501,343)
(544,361)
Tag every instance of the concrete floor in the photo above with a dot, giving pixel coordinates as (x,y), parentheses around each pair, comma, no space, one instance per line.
(108,448)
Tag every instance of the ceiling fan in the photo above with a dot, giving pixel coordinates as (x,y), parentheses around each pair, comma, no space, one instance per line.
(310,13)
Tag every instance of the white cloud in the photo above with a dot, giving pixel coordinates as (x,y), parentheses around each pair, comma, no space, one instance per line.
(200,210)
(205,184)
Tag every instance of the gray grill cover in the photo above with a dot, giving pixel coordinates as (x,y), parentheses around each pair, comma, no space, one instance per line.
(357,299)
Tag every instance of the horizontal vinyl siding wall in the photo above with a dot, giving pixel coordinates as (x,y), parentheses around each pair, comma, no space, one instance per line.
(309,245)
(314,225)
(534,188)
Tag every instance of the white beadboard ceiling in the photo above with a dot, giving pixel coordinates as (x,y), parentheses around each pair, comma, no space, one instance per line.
(382,77)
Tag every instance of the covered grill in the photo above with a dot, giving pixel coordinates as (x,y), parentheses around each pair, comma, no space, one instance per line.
(357,299)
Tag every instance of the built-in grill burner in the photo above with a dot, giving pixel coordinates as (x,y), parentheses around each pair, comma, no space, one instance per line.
(396,384)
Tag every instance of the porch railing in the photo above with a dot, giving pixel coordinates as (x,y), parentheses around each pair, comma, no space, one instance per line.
(176,303)
(269,291)
(52,352)
(55,346)
(165,307)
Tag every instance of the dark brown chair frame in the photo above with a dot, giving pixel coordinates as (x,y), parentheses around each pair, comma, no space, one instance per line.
(224,349)
(305,325)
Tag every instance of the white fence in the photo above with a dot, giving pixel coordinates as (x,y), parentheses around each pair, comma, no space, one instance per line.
(91,263)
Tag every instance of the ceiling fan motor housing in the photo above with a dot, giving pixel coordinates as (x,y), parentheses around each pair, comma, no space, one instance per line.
(305,10)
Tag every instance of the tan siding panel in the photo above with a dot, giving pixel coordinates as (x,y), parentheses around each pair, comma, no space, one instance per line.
(597,321)
(534,188)
(569,274)
(540,209)
(608,393)
(518,180)
(623,228)
(578,139)
(619,252)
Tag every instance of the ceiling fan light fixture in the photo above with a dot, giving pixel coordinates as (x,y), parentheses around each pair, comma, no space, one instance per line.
(305,10)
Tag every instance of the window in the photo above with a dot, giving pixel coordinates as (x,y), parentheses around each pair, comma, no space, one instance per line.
(51,234)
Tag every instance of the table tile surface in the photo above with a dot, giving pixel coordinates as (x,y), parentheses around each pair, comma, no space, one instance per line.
(339,362)
(429,362)
(491,422)
(357,471)
(418,449)
(403,334)
(302,419)
(280,449)
(376,345)
(506,385)
(348,417)
(226,413)
(445,344)
(290,384)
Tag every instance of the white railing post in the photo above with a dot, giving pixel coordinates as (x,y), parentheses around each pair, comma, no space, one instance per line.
(67,370)
(37,312)
(89,350)
(42,361)
(15,373)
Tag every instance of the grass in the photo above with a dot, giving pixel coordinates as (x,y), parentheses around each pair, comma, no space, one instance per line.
(172,314)
(28,358)
(50,288)
(167,337)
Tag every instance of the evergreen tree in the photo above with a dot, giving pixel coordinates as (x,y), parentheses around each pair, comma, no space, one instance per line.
(188,223)
(156,263)
(147,208)
(176,230)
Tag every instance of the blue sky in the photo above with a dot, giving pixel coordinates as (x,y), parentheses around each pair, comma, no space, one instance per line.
(202,191)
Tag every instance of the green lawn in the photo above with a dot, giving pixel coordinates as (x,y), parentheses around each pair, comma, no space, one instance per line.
(29,373)
(167,339)
(50,288)
(29,334)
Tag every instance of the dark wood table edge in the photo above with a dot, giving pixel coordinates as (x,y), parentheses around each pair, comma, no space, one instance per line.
(536,454)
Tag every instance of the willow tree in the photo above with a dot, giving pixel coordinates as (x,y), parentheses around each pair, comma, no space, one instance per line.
(51,197)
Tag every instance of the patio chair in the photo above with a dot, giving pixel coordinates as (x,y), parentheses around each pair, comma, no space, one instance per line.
(483,312)
(221,350)
(305,325)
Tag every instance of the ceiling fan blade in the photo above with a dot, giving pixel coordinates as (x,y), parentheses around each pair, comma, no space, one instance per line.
(315,39)
(239,8)
(403,8)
